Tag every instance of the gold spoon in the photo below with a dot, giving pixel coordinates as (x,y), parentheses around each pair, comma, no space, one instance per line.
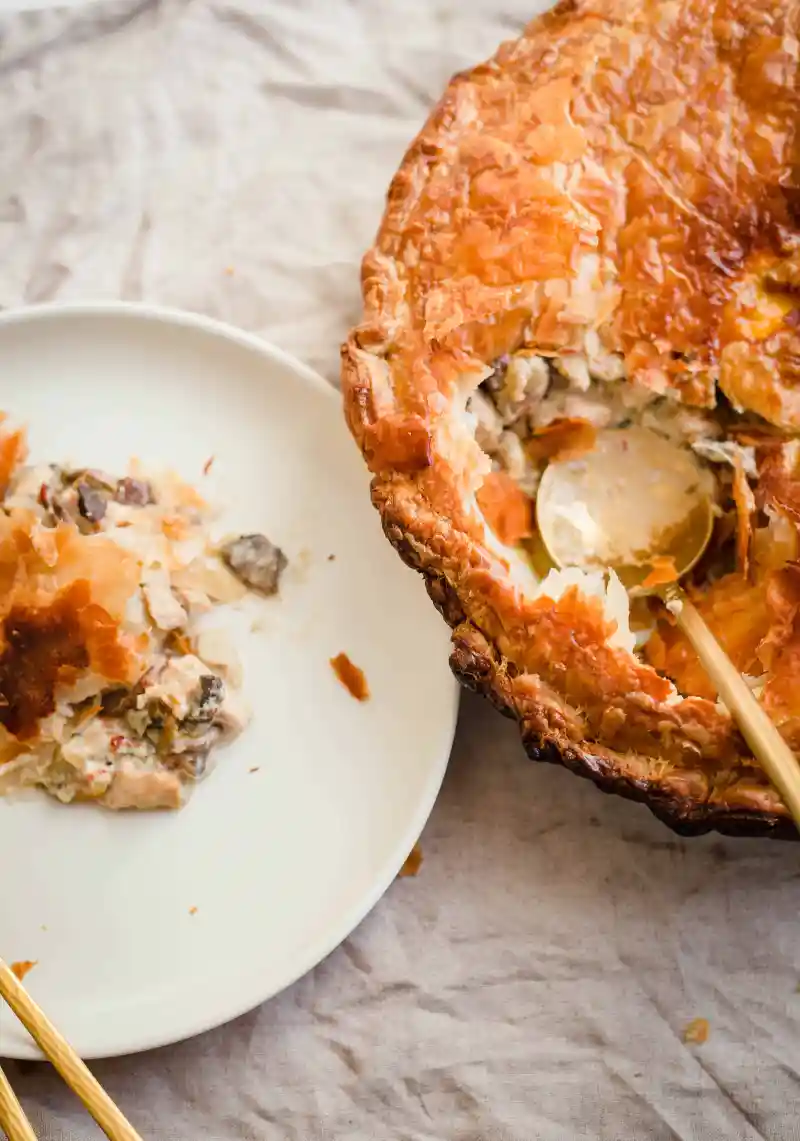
(639,502)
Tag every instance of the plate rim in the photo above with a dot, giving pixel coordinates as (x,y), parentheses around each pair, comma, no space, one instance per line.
(322,947)
(167,314)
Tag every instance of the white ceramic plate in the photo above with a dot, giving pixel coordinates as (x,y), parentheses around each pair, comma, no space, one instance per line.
(282,863)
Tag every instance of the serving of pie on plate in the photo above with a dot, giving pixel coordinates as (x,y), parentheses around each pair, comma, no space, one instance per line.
(299,823)
(597,230)
(116,686)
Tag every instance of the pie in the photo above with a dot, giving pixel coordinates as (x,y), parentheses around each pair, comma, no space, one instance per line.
(597,231)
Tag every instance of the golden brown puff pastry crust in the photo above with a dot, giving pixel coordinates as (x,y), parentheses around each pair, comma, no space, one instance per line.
(630,167)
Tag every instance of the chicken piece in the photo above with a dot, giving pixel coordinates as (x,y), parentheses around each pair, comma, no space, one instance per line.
(525,384)
(144,790)
(488,425)
(576,370)
(164,608)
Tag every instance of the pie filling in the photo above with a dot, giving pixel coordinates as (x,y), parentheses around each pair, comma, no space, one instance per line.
(117,684)
(533,410)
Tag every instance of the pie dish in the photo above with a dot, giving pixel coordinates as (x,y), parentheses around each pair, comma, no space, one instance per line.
(596,230)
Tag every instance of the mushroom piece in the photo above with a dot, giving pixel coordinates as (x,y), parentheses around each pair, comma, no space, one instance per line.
(92,503)
(255,561)
(134,492)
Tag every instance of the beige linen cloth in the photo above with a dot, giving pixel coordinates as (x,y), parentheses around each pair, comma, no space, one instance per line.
(535,980)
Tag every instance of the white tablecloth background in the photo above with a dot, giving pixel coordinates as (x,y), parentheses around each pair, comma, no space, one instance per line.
(230,156)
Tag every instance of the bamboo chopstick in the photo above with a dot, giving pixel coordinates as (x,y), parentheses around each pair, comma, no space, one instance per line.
(13,1121)
(758,729)
(56,1048)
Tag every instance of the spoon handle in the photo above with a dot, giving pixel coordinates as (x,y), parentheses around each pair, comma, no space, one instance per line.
(768,746)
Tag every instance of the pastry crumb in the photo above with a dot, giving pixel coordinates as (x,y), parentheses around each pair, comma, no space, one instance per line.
(663,571)
(193,911)
(23,967)
(351,677)
(696,1033)
(255,769)
(413,862)
(229,271)
(331,558)
(207,466)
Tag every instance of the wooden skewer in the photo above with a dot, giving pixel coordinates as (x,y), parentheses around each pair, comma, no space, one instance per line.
(56,1048)
(760,732)
(13,1121)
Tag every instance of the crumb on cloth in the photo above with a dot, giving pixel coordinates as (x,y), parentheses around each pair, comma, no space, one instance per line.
(351,677)
(22,967)
(696,1032)
(413,862)
(193,911)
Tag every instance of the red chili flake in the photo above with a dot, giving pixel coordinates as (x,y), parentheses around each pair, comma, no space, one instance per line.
(116,743)
(207,466)
(44,497)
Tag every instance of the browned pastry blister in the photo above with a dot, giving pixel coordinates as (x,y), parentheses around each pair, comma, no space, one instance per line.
(623,176)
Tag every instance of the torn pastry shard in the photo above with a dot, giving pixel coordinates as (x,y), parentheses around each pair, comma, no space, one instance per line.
(351,676)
